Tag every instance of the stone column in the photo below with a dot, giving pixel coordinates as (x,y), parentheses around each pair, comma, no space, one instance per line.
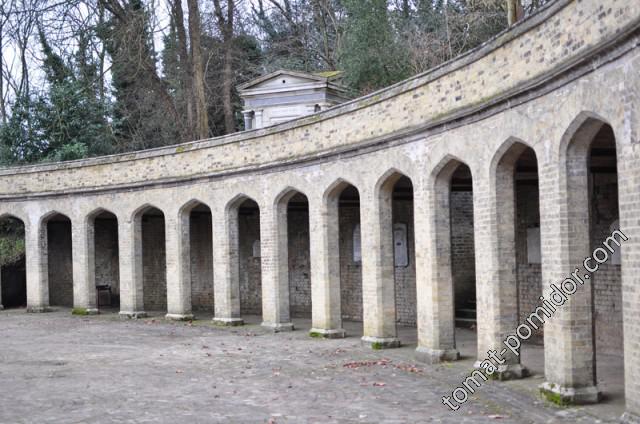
(130,250)
(434,284)
(248,118)
(324,250)
(84,270)
(37,267)
(496,285)
(628,152)
(378,279)
(257,119)
(275,267)
(568,335)
(178,248)
(226,266)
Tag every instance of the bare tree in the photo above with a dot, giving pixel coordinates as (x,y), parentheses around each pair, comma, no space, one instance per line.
(197,77)
(226,26)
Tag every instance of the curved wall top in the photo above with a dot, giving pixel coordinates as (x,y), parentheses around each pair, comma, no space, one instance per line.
(535,53)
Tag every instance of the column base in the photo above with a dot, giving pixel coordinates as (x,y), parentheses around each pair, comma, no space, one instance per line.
(506,371)
(38,309)
(228,322)
(1,307)
(630,418)
(569,395)
(338,333)
(278,327)
(377,343)
(179,317)
(132,314)
(436,356)
(85,311)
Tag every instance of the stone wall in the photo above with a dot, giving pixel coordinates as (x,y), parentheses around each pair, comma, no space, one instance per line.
(536,49)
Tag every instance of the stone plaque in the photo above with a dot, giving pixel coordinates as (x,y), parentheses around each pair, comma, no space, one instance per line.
(400,245)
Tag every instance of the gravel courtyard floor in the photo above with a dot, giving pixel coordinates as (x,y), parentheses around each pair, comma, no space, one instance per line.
(57,368)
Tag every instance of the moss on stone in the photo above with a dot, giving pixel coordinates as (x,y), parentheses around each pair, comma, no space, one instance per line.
(79,311)
(316,335)
(377,346)
(555,398)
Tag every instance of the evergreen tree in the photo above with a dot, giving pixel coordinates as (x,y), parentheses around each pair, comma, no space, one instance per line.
(371,56)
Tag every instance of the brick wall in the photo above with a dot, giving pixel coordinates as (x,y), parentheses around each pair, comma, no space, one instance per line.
(250,273)
(154,264)
(201,262)
(60,264)
(299,263)
(350,271)
(607,280)
(405,276)
(107,256)
(462,249)
(529,276)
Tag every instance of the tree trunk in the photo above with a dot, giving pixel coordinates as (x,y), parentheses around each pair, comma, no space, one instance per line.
(515,11)
(202,119)
(186,66)
(226,28)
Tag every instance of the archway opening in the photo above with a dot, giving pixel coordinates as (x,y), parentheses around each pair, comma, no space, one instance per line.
(463,270)
(13,277)
(250,270)
(404,260)
(154,261)
(350,249)
(593,215)
(106,261)
(606,283)
(59,260)
(298,256)
(201,257)
(519,278)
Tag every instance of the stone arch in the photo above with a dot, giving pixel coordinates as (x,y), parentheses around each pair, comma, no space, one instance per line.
(453,226)
(335,189)
(589,185)
(293,253)
(575,139)
(150,256)
(195,232)
(237,265)
(515,221)
(56,259)
(394,256)
(102,264)
(337,275)
(142,209)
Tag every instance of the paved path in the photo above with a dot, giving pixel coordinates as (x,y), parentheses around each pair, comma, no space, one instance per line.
(55,368)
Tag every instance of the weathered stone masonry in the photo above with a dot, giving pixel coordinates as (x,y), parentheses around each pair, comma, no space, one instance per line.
(548,89)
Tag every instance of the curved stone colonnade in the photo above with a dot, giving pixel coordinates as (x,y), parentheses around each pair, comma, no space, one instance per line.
(550,85)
